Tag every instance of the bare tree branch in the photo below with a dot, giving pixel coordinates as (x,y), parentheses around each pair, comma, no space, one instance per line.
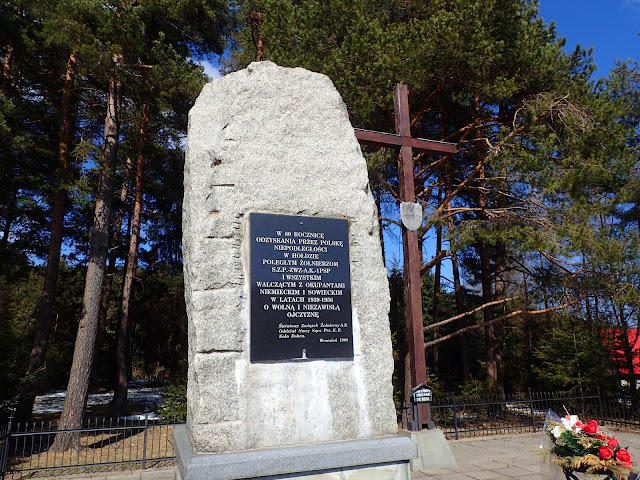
(386,185)
(470,312)
(425,105)
(453,193)
(499,319)
(427,266)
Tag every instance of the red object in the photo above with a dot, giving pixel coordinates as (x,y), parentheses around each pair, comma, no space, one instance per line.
(623,457)
(615,340)
(613,442)
(591,428)
(605,453)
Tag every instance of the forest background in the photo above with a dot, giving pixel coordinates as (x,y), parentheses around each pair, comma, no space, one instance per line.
(537,217)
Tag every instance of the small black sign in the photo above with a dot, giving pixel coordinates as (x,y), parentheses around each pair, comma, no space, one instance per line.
(300,288)
(423,395)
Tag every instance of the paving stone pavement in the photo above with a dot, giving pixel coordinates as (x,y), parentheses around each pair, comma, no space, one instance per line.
(507,457)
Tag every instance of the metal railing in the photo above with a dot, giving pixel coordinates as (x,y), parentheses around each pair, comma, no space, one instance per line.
(459,416)
(118,444)
(104,444)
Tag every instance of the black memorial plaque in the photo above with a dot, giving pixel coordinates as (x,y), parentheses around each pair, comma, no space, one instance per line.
(300,288)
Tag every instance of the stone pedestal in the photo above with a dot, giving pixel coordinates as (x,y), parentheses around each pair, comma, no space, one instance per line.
(270,146)
(383,458)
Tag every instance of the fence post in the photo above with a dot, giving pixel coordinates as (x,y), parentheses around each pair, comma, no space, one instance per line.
(600,407)
(455,415)
(4,452)
(533,417)
(144,447)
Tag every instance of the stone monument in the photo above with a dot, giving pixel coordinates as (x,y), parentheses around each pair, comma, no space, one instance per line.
(290,359)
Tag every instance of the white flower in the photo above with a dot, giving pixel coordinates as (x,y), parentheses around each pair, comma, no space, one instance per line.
(557,431)
(570,422)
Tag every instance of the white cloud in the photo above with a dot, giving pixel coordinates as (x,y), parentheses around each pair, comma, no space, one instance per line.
(210,69)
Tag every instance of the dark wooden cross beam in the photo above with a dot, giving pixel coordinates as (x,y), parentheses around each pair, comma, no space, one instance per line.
(420,145)
(412,254)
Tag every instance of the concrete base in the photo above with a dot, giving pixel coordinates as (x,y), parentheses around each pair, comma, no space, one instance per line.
(433,450)
(382,458)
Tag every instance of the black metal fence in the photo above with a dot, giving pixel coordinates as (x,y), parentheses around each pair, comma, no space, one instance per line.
(104,444)
(474,416)
(25,450)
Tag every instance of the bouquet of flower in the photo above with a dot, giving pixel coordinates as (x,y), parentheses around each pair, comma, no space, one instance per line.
(582,447)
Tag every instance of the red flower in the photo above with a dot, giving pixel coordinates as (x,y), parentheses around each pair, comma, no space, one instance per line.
(613,443)
(623,457)
(606,453)
(602,436)
(579,424)
(591,428)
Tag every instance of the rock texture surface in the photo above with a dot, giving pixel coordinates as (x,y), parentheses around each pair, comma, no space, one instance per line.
(277,140)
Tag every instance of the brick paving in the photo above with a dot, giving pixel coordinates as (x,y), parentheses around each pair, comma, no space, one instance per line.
(508,457)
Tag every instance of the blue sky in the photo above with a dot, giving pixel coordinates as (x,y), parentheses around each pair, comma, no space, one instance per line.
(609,26)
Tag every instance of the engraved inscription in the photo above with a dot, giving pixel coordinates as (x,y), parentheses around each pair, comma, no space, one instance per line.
(300,287)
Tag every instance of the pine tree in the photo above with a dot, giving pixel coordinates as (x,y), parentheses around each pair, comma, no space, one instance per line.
(480,96)
(131,31)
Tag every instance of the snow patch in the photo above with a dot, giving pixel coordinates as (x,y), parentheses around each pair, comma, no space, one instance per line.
(150,398)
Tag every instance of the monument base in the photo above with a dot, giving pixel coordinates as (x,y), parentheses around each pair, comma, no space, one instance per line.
(381,458)
(433,450)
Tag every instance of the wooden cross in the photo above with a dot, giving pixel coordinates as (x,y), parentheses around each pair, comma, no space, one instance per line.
(412,254)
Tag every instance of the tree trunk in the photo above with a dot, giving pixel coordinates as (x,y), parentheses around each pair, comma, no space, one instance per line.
(545,291)
(500,291)
(499,328)
(587,297)
(463,342)
(436,295)
(45,313)
(491,342)
(6,68)
(489,330)
(627,348)
(124,325)
(8,221)
(78,386)
(255,18)
(407,380)
(460,306)
(113,256)
(492,350)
